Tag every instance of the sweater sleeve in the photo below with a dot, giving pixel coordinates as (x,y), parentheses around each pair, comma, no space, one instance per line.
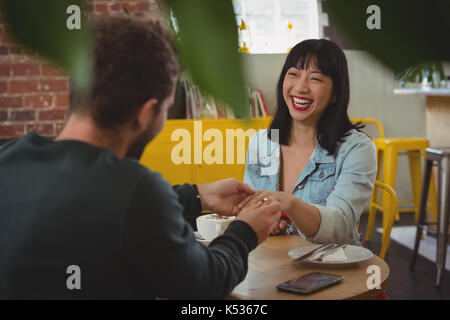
(166,259)
(188,200)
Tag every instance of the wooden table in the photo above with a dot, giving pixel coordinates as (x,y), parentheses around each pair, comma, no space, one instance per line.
(270,264)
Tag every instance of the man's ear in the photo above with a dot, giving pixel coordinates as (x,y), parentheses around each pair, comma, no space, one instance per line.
(145,113)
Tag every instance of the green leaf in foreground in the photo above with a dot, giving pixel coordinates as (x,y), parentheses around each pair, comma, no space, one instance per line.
(41,26)
(412,31)
(208,47)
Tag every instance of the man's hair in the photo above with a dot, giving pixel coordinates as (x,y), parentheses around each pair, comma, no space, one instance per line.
(134,61)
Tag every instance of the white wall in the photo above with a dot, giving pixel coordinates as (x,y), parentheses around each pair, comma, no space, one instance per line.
(371,96)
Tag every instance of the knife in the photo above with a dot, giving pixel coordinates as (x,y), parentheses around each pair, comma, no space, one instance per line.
(316,250)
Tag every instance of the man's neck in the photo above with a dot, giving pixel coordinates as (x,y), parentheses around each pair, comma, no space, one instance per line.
(82,128)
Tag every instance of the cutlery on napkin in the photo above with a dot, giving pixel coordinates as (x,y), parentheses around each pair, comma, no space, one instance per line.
(336,254)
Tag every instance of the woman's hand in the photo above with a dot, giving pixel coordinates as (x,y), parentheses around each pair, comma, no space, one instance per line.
(280,228)
(284,198)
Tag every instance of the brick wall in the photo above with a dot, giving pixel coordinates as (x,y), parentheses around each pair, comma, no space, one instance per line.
(33,93)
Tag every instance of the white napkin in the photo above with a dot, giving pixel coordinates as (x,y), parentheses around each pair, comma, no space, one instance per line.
(336,256)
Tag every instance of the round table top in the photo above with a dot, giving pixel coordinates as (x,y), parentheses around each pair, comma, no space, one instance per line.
(269,264)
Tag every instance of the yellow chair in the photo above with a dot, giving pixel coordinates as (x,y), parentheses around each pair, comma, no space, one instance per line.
(389,215)
(388,150)
(371,120)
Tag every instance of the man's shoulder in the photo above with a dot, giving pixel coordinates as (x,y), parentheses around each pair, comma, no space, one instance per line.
(146,175)
(148,180)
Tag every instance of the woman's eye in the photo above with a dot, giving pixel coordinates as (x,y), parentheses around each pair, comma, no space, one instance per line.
(292,74)
(317,79)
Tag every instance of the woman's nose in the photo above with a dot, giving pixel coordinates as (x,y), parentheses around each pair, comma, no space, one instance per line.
(301,84)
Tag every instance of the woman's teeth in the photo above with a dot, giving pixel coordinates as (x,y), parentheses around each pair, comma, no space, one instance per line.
(301,102)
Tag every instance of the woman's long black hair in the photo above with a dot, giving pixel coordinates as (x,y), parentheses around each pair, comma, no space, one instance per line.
(334,124)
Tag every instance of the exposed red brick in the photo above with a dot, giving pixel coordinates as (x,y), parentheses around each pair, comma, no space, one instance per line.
(39,101)
(54,85)
(22,115)
(43,129)
(117,7)
(25,69)
(3,86)
(5,70)
(22,86)
(15,50)
(11,102)
(129,7)
(49,70)
(142,6)
(57,114)
(4,50)
(62,100)
(101,8)
(58,128)
(11,130)
(3,115)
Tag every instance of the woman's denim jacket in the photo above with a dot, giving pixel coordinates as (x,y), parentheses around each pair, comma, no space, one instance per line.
(338,186)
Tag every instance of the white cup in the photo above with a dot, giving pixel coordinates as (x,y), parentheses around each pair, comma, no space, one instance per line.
(211,226)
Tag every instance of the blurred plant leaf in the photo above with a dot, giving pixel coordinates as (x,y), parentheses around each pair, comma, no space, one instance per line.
(412,31)
(40,25)
(208,47)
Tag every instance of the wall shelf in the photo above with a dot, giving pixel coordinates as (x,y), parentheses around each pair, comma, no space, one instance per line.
(428,92)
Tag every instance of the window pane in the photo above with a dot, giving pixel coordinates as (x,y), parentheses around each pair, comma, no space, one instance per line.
(268,23)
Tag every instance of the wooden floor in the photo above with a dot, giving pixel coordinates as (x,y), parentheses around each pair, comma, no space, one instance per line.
(405,284)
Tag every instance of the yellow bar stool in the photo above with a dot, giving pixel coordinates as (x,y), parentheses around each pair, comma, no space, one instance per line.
(388,150)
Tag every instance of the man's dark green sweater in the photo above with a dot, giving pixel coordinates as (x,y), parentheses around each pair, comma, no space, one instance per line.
(67,203)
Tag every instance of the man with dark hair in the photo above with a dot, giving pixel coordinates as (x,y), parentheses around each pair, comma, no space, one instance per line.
(79,218)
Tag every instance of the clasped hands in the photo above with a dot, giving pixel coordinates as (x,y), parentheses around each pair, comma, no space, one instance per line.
(234,198)
(265,197)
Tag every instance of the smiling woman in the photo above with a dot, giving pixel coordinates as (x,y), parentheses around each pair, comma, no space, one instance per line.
(323,166)
(319,69)
(294,92)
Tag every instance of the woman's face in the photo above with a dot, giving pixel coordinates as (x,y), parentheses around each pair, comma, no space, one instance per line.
(307,93)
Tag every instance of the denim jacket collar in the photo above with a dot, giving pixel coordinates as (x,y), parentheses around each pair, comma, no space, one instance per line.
(271,163)
(320,155)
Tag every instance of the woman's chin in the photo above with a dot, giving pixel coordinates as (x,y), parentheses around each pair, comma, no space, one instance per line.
(300,115)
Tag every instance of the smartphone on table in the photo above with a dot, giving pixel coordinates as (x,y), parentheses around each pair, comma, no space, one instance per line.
(310,283)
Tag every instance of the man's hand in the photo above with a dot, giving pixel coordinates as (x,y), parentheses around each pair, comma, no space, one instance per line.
(262,217)
(223,196)
(267,197)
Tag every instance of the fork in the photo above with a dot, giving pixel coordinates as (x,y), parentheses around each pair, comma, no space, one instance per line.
(324,247)
(334,249)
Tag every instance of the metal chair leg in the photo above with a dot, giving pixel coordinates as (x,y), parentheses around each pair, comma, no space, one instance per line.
(444,210)
(422,210)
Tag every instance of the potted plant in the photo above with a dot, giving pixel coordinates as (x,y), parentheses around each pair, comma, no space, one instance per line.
(428,72)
